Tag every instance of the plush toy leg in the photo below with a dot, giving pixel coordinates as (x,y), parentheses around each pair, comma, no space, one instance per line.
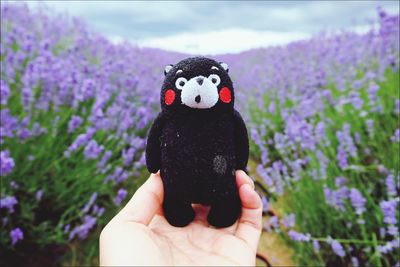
(225,210)
(177,212)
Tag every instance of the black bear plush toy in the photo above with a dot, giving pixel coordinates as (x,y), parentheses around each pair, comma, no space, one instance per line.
(197,142)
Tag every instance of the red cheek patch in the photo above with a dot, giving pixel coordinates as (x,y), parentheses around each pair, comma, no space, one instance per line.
(225,95)
(169,97)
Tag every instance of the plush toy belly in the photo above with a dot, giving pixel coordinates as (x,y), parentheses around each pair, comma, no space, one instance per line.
(197,161)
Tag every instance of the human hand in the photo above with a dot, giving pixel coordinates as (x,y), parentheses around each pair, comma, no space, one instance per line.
(140,235)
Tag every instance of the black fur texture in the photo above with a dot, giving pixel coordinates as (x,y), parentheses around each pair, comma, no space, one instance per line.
(198,150)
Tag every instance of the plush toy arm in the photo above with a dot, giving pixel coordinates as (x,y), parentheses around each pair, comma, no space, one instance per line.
(153,151)
(241,142)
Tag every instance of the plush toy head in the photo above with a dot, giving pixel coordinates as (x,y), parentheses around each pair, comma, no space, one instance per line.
(197,84)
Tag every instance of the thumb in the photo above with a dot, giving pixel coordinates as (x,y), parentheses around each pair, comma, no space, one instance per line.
(144,204)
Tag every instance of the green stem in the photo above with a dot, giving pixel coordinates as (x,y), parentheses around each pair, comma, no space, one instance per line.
(347,241)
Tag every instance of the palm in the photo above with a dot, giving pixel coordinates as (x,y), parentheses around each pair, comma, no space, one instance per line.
(197,244)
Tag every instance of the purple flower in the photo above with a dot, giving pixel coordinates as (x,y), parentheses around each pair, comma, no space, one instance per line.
(316,246)
(340,181)
(354,262)
(74,123)
(39,194)
(289,220)
(122,193)
(396,136)
(6,163)
(337,248)
(122,177)
(393,230)
(90,202)
(16,234)
(127,155)
(356,101)
(389,246)
(370,127)
(390,185)
(101,211)
(92,150)
(296,236)
(397,106)
(8,202)
(346,146)
(389,209)
(14,185)
(274,222)
(83,230)
(265,204)
(66,228)
(373,89)
(104,159)
(87,90)
(357,201)
(81,140)
(4,92)
(336,198)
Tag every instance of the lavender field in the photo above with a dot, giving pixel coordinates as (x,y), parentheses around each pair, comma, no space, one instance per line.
(323,117)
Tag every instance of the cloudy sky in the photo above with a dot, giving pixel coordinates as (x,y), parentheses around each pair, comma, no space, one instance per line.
(219,27)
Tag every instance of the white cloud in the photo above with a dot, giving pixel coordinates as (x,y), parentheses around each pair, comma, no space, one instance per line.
(223,41)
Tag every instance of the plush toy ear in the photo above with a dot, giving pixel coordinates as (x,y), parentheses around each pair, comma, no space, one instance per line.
(168,68)
(225,66)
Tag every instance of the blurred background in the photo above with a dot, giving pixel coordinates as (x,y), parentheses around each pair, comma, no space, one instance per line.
(317,83)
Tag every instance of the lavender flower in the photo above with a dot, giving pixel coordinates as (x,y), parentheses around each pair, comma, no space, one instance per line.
(6,163)
(74,123)
(39,194)
(104,159)
(340,181)
(336,198)
(16,235)
(8,202)
(127,155)
(4,92)
(357,201)
(396,136)
(122,193)
(265,204)
(90,202)
(289,220)
(83,230)
(355,262)
(389,208)
(296,236)
(316,246)
(92,150)
(14,185)
(370,127)
(393,230)
(390,185)
(337,248)
(373,88)
(389,246)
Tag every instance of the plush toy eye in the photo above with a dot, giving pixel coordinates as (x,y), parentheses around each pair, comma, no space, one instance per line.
(214,78)
(180,82)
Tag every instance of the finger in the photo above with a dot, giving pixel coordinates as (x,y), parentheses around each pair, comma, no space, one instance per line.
(242,178)
(250,221)
(145,203)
